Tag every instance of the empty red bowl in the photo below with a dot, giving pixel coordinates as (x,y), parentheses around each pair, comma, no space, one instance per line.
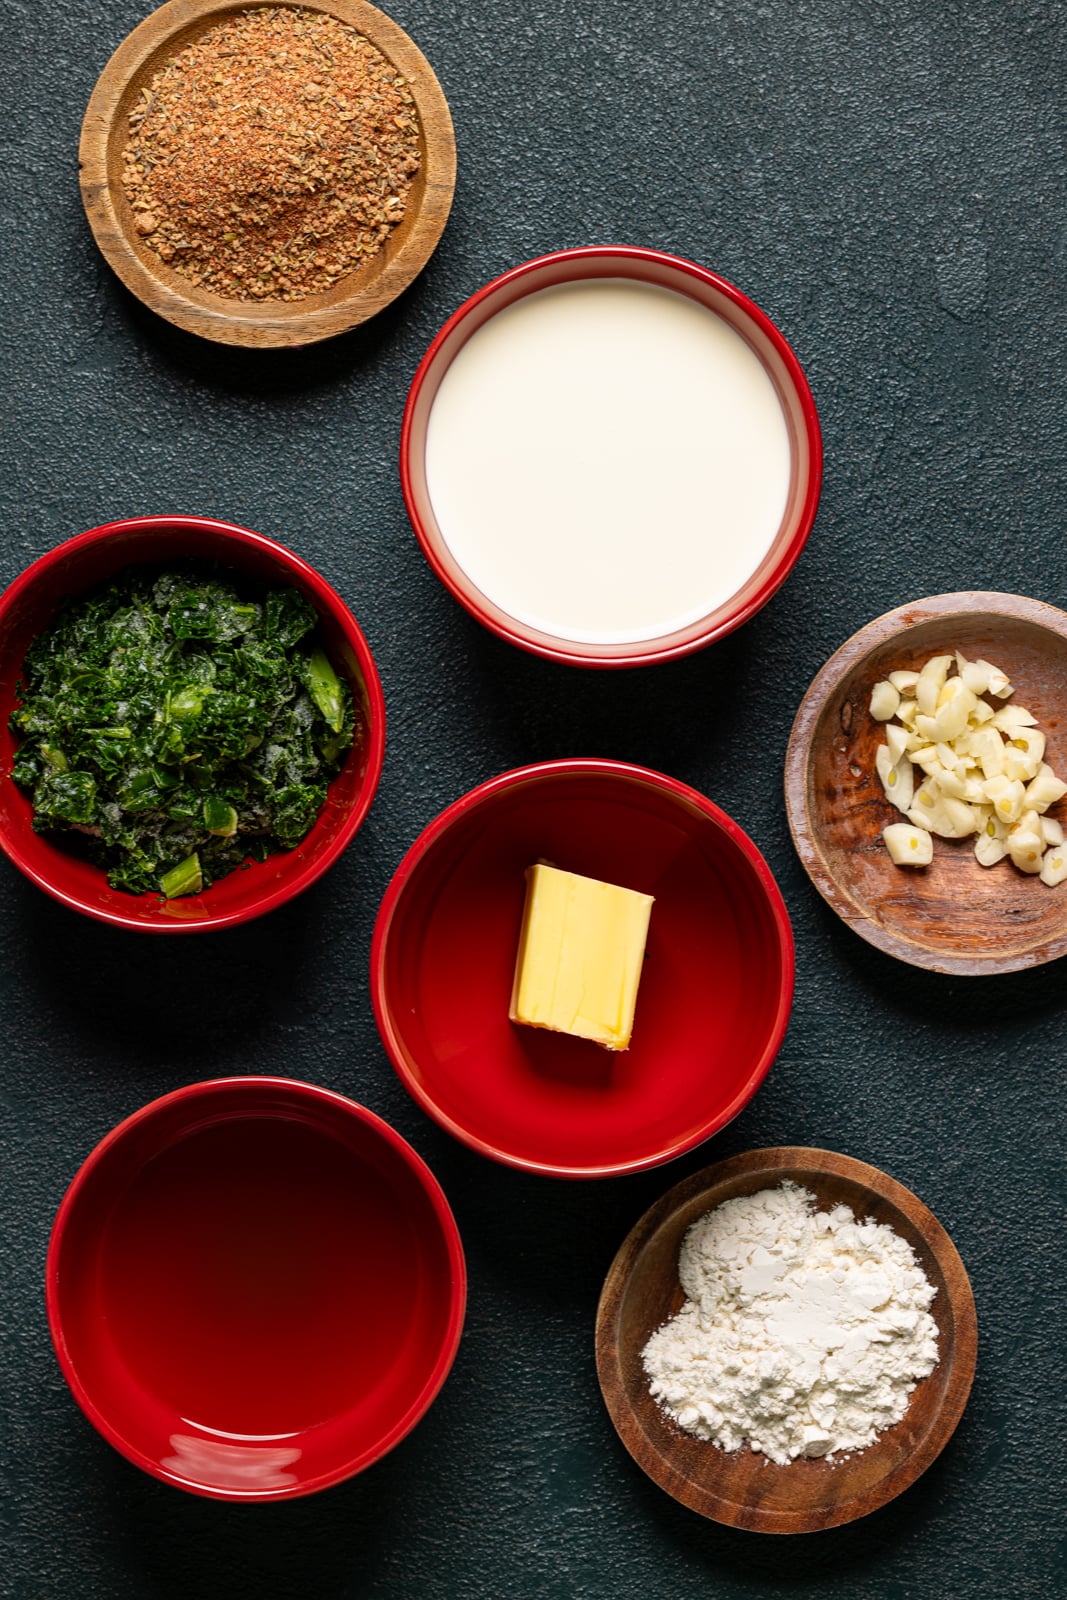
(255,1288)
(558,531)
(82,563)
(715,991)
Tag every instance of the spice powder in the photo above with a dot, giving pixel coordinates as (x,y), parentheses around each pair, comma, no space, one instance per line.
(272,156)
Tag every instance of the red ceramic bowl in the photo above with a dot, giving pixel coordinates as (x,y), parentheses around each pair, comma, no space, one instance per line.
(255,1288)
(81,563)
(746,319)
(715,991)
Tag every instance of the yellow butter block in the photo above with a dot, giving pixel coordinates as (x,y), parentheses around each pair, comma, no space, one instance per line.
(581,951)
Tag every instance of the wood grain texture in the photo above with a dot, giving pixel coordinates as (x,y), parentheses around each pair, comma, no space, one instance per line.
(354,298)
(953,916)
(741,1489)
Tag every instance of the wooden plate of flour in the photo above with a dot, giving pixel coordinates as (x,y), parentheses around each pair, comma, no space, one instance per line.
(740,1488)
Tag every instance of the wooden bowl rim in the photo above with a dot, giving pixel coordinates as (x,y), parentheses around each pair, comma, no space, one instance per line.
(800,1163)
(274,324)
(917,613)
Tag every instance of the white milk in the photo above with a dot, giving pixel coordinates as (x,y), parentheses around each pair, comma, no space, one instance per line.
(607,461)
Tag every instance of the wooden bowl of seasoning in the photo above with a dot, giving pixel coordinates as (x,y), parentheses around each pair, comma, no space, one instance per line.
(740,1487)
(954,915)
(269,176)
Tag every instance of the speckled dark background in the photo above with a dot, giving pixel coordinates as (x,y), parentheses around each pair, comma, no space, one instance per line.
(884,177)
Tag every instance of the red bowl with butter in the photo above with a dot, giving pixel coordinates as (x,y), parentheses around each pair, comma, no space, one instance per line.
(714,995)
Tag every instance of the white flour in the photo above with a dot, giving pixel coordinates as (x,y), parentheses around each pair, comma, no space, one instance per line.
(803,1332)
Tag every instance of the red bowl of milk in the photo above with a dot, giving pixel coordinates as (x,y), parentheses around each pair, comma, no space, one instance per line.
(611,456)
(715,992)
(255,1288)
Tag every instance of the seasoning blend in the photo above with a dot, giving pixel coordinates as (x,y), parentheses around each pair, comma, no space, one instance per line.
(272,156)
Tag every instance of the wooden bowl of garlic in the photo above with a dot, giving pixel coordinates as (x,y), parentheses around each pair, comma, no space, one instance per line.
(925,783)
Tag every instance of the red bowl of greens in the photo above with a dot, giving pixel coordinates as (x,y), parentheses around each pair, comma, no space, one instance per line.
(192,726)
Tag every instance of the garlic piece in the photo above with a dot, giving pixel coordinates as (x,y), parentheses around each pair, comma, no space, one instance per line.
(998,681)
(958,816)
(931,682)
(1026,849)
(1007,796)
(1024,753)
(1009,717)
(1045,789)
(989,851)
(903,682)
(908,846)
(975,674)
(898,779)
(897,739)
(1054,866)
(885,701)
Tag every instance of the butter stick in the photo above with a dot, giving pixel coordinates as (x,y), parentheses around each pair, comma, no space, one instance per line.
(580,956)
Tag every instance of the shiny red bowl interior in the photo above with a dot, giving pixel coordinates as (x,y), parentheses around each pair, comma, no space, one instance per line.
(715,991)
(746,319)
(255,1288)
(80,564)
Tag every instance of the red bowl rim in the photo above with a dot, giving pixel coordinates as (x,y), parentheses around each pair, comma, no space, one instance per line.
(575,767)
(310,1094)
(643,652)
(329,601)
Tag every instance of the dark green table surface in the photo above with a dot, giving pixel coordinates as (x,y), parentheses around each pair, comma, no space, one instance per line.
(885,178)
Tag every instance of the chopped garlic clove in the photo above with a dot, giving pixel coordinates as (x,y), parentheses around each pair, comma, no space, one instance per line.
(897,739)
(908,846)
(885,701)
(1010,717)
(1054,866)
(989,851)
(1045,789)
(1030,740)
(1023,755)
(950,722)
(987,745)
(975,675)
(1026,849)
(1051,831)
(904,682)
(961,819)
(991,823)
(931,682)
(952,784)
(898,780)
(908,709)
(1006,796)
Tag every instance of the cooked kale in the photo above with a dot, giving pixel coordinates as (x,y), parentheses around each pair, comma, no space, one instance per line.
(179,726)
